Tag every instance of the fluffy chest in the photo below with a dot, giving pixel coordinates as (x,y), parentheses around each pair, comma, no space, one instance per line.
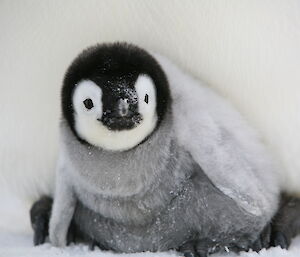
(153,196)
(129,189)
(116,174)
(130,185)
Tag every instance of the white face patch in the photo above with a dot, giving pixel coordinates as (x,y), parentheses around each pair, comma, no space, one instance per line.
(88,111)
(87,100)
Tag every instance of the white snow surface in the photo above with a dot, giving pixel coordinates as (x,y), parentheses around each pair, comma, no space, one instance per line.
(16,239)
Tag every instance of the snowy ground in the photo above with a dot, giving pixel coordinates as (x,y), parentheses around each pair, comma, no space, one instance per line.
(16,239)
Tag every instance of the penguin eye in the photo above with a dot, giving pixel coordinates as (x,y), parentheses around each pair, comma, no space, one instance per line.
(146,99)
(88,103)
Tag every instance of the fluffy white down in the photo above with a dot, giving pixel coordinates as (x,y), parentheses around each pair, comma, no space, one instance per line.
(94,132)
(224,145)
(249,51)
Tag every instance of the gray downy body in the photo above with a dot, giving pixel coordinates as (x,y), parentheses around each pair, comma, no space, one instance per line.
(154,197)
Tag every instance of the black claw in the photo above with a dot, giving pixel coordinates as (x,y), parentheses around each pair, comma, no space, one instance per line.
(279,239)
(40,235)
(202,248)
(190,254)
(263,240)
(188,249)
(202,253)
(72,236)
(38,239)
(92,245)
(40,230)
(266,237)
(257,246)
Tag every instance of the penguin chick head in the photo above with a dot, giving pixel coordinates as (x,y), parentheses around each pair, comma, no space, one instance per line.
(114,96)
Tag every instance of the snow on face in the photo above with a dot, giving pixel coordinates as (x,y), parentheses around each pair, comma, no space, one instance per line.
(91,125)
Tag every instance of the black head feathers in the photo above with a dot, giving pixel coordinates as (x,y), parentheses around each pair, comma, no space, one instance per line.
(106,62)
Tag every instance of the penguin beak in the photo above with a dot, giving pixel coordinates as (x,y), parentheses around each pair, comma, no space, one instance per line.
(121,123)
(122,118)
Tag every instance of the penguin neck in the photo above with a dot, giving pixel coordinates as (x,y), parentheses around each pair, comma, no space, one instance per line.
(115,173)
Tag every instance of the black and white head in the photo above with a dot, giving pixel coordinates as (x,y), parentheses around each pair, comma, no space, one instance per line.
(114,96)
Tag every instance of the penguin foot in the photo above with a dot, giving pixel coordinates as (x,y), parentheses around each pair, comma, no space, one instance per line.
(279,239)
(263,240)
(284,226)
(192,254)
(93,243)
(40,216)
(193,249)
(286,223)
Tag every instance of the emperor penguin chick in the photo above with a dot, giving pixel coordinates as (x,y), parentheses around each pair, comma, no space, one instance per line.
(151,160)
